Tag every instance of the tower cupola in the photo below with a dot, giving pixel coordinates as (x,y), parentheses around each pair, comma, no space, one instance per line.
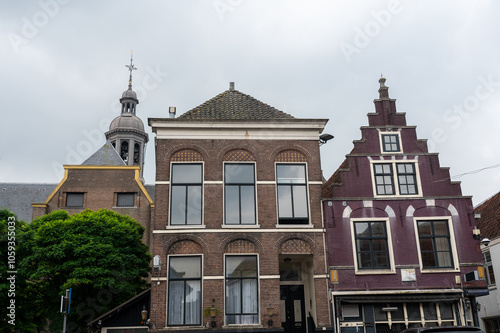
(126,132)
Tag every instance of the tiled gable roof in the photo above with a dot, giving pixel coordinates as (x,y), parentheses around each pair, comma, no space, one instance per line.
(232,104)
(334,179)
(106,155)
(489,222)
(18,197)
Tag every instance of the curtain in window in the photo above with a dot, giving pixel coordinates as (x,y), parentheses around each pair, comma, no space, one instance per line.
(176,303)
(193,299)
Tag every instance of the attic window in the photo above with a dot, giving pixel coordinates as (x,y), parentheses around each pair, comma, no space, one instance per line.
(125,199)
(390,143)
(74,199)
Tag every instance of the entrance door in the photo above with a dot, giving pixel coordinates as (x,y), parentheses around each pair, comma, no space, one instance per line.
(292,307)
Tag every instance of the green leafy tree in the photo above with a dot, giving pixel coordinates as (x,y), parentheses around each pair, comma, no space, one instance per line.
(100,255)
(14,286)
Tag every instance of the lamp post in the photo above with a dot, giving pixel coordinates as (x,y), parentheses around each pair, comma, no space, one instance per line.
(144,315)
(270,313)
(213,313)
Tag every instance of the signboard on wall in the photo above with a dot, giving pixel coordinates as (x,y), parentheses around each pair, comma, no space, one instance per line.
(408,275)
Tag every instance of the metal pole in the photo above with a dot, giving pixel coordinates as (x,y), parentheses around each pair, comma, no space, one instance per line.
(64,323)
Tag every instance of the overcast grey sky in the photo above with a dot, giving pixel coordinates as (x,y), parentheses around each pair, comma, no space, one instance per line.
(63,70)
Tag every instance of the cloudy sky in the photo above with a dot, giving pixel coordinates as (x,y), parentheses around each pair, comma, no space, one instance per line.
(63,70)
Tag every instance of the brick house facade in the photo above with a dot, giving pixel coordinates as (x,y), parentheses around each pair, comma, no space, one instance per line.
(488,222)
(399,233)
(94,187)
(238,222)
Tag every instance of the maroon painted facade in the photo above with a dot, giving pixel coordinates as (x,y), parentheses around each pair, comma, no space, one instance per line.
(399,232)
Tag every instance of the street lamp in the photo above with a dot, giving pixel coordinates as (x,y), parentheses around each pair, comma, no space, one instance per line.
(144,315)
(213,313)
(270,313)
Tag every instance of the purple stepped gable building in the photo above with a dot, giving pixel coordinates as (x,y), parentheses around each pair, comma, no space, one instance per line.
(399,233)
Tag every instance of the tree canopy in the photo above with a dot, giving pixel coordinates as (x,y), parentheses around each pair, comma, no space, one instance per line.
(100,255)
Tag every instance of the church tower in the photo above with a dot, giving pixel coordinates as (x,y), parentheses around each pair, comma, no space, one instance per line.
(126,132)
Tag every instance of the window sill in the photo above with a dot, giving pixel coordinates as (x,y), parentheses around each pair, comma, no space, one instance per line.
(242,326)
(391,196)
(439,270)
(183,328)
(294,226)
(375,271)
(240,226)
(118,207)
(186,226)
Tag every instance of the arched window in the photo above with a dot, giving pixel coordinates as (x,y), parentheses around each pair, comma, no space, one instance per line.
(137,151)
(124,151)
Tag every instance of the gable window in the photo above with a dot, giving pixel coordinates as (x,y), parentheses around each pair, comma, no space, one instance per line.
(74,199)
(186,194)
(490,274)
(407,178)
(241,290)
(390,143)
(372,251)
(292,194)
(125,199)
(395,178)
(384,179)
(184,291)
(239,193)
(435,244)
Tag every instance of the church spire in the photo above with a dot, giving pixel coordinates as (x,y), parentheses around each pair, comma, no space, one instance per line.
(131,68)
(129,97)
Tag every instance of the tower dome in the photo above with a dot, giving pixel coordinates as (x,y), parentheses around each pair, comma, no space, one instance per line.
(127,121)
(129,93)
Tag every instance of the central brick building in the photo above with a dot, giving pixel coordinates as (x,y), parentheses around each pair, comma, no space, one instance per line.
(238,223)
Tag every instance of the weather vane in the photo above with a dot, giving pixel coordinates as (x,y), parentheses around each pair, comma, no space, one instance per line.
(131,67)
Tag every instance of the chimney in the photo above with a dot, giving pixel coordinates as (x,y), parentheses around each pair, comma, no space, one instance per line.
(171,112)
(231,86)
(383,90)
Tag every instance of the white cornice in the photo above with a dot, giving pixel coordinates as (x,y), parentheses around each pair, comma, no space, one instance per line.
(239,130)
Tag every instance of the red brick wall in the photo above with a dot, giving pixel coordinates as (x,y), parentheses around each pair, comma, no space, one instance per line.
(100,187)
(213,245)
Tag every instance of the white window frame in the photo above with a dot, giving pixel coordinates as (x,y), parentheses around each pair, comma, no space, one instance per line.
(256,224)
(487,264)
(278,225)
(201,286)
(258,287)
(395,178)
(406,321)
(392,267)
(453,244)
(398,133)
(189,226)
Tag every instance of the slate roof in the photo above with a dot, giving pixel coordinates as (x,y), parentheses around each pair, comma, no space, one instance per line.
(18,197)
(489,222)
(151,190)
(106,155)
(232,104)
